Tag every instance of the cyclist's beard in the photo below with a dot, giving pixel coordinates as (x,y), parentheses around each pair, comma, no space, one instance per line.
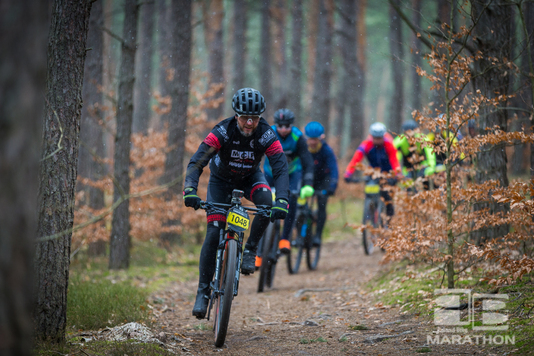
(244,133)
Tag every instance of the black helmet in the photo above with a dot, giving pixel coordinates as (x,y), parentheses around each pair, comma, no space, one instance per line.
(284,117)
(409,125)
(248,101)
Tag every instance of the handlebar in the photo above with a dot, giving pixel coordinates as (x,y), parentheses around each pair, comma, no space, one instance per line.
(223,207)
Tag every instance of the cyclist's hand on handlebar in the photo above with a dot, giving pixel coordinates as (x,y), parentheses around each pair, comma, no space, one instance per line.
(279,209)
(306,191)
(191,198)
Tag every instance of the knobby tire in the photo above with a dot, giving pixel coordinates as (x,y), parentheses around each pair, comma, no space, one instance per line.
(265,279)
(297,248)
(223,302)
(368,219)
(312,252)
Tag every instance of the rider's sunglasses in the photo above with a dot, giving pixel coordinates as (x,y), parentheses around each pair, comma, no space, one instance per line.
(284,126)
(247,118)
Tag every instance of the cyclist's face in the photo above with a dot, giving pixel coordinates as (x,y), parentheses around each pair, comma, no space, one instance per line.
(283,130)
(313,143)
(247,123)
(378,141)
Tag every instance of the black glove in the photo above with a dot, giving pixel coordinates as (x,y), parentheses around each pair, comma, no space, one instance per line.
(348,179)
(191,198)
(279,210)
(331,191)
(392,181)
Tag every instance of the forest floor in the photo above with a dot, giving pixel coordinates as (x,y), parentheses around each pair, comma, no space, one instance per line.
(340,318)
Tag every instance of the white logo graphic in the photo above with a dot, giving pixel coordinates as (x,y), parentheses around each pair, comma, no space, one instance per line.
(267,136)
(243,154)
(461,307)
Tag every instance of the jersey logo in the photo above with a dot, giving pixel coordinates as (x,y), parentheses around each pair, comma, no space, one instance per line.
(223,132)
(243,154)
(267,136)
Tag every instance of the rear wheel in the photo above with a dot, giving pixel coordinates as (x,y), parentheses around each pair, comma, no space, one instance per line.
(267,265)
(223,301)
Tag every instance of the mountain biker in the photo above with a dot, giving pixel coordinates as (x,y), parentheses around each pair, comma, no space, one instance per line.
(325,173)
(300,165)
(234,149)
(417,160)
(381,154)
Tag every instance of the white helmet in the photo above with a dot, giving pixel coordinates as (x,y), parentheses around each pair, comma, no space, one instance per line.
(377,130)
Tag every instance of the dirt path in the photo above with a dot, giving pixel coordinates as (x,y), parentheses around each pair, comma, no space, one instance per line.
(280,322)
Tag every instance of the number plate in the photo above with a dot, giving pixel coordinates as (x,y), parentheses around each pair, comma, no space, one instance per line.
(237,222)
(372,189)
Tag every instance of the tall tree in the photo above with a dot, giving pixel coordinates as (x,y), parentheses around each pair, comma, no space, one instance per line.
(265,55)
(213,15)
(279,48)
(143,84)
(181,30)
(66,56)
(164,42)
(91,135)
(295,62)
(396,108)
(416,57)
(312,28)
(23,32)
(323,64)
(119,250)
(493,32)
(348,47)
(240,43)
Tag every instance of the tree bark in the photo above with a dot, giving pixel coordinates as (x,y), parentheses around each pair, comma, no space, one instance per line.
(493,33)
(164,42)
(143,87)
(61,128)
(295,92)
(91,135)
(312,28)
(323,65)
(240,43)
(416,58)
(281,85)
(119,250)
(181,30)
(213,15)
(265,60)
(22,83)
(396,109)
(352,71)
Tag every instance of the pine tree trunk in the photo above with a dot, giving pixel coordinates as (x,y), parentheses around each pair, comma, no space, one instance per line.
(240,45)
(351,71)
(181,30)
(416,58)
(22,79)
(61,129)
(396,108)
(143,84)
(281,84)
(265,62)
(213,16)
(119,250)
(295,62)
(493,38)
(91,135)
(323,65)
(164,43)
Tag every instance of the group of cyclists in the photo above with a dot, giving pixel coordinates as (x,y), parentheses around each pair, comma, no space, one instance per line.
(298,164)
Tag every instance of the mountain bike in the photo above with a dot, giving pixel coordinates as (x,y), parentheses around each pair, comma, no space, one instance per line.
(372,212)
(302,235)
(225,283)
(270,255)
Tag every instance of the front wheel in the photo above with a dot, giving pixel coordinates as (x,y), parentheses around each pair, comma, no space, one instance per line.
(223,301)
(312,252)
(296,251)
(369,217)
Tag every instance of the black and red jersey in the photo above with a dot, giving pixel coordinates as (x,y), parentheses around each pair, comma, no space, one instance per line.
(235,157)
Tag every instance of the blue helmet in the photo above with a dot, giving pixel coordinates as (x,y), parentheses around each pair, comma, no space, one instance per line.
(314,129)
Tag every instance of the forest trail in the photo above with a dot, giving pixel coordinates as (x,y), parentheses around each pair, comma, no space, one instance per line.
(287,321)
